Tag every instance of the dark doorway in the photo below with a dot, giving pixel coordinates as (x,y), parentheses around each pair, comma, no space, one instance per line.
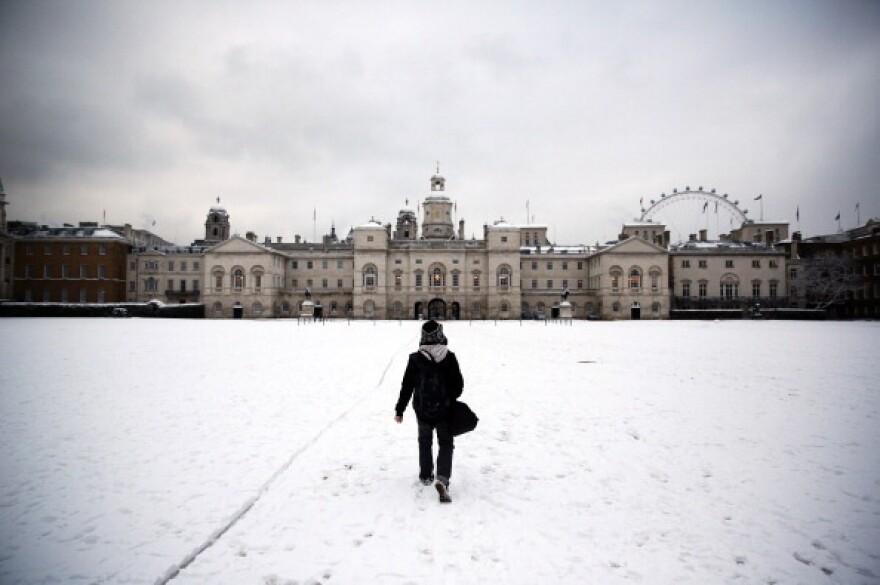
(437,309)
(237,311)
(417,314)
(635,312)
(554,312)
(319,312)
(455,311)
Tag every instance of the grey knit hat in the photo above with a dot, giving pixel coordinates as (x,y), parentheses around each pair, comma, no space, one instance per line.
(432,334)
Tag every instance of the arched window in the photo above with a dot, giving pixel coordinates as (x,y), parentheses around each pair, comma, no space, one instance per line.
(615,307)
(655,273)
(218,308)
(370,276)
(151,284)
(505,308)
(437,277)
(616,273)
(258,308)
(635,279)
(369,309)
(655,307)
(503,276)
(285,307)
(238,279)
(257,274)
(730,287)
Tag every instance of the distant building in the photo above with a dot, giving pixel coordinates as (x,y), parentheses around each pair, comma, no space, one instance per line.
(69,264)
(838,273)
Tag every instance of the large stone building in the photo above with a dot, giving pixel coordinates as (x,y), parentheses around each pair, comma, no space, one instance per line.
(410,271)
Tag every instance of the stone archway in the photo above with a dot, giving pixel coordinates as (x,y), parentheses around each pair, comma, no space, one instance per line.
(437,309)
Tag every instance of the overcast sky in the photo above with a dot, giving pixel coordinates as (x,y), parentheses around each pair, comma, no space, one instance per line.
(151,110)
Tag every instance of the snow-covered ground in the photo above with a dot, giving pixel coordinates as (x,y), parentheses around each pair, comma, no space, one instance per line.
(266,453)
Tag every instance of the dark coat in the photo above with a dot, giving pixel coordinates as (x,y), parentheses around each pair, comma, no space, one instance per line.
(412,375)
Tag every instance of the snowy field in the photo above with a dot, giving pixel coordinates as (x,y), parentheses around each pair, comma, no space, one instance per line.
(265,453)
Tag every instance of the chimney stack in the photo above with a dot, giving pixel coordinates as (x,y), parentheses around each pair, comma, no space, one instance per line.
(461,229)
(704,235)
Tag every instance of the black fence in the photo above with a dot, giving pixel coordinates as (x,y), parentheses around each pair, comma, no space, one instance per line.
(152,309)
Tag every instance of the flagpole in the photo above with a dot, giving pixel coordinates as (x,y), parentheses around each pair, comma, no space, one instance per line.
(858,216)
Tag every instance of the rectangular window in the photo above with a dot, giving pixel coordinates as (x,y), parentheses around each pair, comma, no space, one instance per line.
(756,263)
(102,271)
(102,249)
(549,266)
(47,249)
(101,296)
(476,281)
(728,263)
(455,279)
(655,283)
(340,264)
(398,280)
(170,285)
(196,285)
(339,283)
(29,249)
(258,282)
(580,265)
(704,289)
(182,286)
(503,238)
(83,271)
(418,280)
(774,264)
(46,271)
(534,284)
(195,265)
(294,264)
(64,296)
(685,263)
(774,290)
(293,284)
(369,238)
(132,265)
(65,249)
(704,264)
(756,289)
(28,271)
(171,266)
(309,283)
(65,271)
(82,295)
(46,297)
(564,284)
(580,283)
(534,265)
(615,282)
(324,264)
(565,265)
(324,283)
(183,266)
(309,265)
(792,273)
(549,284)
(685,289)
(84,251)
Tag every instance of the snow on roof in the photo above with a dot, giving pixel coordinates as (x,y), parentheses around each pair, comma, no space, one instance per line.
(371,225)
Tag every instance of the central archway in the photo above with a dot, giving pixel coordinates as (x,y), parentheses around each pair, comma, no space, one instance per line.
(437,309)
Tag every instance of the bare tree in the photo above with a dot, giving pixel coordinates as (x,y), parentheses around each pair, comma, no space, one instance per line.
(828,278)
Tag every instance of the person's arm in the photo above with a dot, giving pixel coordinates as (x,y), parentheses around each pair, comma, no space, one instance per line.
(406,388)
(454,378)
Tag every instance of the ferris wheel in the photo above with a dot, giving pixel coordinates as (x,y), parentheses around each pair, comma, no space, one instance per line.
(688,211)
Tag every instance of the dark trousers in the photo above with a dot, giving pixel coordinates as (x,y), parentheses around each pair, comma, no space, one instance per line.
(444,454)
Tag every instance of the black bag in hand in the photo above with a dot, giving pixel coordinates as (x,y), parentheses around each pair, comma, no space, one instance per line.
(462,419)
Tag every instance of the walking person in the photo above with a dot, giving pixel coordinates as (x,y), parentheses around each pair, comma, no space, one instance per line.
(433,380)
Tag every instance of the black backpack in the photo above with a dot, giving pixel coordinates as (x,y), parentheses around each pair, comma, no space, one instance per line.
(432,399)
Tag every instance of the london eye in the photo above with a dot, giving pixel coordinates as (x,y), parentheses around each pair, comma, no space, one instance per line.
(686,212)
